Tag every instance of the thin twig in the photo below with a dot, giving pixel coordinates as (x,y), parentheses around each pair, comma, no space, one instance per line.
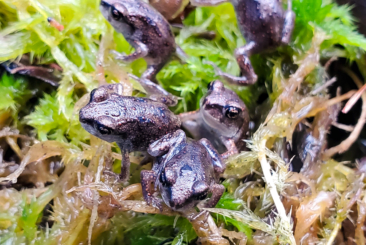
(307,65)
(27,68)
(94,214)
(334,233)
(346,144)
(324,86)
(13,176)
(329,62)
(352,101)
(343,126)
(14,146)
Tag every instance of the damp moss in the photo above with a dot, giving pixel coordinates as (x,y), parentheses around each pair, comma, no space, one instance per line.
(50,213)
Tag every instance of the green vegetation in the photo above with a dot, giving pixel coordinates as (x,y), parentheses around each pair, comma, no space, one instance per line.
(322,28)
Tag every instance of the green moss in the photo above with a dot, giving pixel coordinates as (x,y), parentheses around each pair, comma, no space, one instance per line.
(148,229)
(15,94)
(52,124)
(24,29)
(12,91)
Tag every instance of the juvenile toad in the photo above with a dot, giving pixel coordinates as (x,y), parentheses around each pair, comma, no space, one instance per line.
(222,118)
(185,172)
(133,123)
(145,29)
(265,26)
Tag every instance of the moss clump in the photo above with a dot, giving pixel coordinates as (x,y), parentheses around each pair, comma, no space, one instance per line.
(40,124)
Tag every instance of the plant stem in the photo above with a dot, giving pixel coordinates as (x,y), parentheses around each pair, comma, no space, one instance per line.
(334,233)
(266,168)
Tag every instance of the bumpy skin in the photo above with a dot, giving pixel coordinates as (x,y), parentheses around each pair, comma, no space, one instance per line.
(185,172)
(265,26)
(134,123)
(145,29)
(170,9)
(222,118)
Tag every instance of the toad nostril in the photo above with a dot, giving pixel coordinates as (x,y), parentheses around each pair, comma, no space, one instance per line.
(82,118)
(172,203)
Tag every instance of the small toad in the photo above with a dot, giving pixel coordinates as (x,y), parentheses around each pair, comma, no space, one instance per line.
(132,122)
(222,118)
(145,29)
(264,24)
(185,172)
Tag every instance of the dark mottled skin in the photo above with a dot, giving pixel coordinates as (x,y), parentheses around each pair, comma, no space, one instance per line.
(261,21)
(222,118)
(145,29)
(265,26)
(185,172)
(133,123)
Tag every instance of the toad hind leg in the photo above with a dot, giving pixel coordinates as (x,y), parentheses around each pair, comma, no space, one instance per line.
(242,55)
(188,116)
(156,92)
(151,72)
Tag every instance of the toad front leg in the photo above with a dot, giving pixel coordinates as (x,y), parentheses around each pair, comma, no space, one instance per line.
(148,178)
(230,146)
(169,145)
(217,190)
(125,168)
(189,122)
(141,51)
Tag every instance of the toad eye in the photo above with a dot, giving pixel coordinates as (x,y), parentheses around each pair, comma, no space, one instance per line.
(116,15)
(103,129)
(103,3)
(99,95)
(232,112)
(201,197)
(92,93)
